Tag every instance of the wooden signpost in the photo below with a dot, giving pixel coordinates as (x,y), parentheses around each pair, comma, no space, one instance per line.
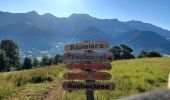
(87,76)
(98,45)
(89,62)
(93,66)
(92,56)
(73,85)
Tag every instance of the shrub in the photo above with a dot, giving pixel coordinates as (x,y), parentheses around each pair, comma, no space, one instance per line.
(143,54)
(41,78)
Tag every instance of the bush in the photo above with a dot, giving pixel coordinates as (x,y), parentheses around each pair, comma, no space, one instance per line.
(41,78)
(143,54)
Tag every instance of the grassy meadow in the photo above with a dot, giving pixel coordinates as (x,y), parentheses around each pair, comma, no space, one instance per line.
(29,84)
(130,76)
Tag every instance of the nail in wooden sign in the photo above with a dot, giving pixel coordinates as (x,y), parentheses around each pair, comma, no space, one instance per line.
(92,56)
(86,46)
(73,85)
(87,76)
(92,66)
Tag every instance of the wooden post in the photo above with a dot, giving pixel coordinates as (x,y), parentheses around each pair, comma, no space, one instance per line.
(89,93)
(168,82)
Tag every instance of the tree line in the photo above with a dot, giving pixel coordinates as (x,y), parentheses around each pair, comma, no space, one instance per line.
(29,63)
(125,52)
(10,58)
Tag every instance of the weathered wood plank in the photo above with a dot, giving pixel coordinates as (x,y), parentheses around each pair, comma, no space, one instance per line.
(86,46)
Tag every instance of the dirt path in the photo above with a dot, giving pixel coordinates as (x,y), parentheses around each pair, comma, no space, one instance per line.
(56,93)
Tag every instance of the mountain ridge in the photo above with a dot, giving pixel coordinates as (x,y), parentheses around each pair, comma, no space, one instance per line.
(49,29)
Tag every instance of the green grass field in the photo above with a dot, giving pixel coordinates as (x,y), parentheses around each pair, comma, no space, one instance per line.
(29,84)
(130,76)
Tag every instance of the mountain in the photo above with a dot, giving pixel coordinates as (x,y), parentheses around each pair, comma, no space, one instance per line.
(49,33)
(93,34)
(144,40)
(26,35)
(148,27)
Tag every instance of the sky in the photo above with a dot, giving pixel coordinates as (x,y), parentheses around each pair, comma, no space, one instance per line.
(156,12)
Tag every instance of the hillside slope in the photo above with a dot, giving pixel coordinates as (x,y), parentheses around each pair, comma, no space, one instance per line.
(130,76)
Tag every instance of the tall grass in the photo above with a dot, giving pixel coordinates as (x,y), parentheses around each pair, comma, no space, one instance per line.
(131,77)
(11,82)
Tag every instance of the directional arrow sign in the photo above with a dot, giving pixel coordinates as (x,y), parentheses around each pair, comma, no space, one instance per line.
(87,76)
(96,66)
(72,85)
(86,46)
(92,56)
